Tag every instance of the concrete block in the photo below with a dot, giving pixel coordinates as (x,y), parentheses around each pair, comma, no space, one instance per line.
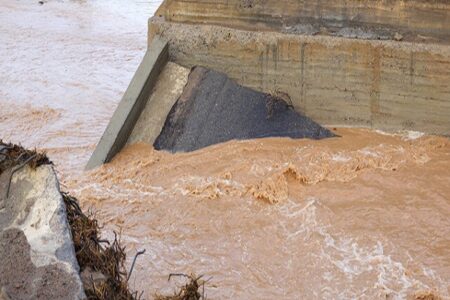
(132,104)
(37,258)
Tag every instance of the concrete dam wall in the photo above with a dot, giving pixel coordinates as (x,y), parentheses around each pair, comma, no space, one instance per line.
(369,18)
(377,64)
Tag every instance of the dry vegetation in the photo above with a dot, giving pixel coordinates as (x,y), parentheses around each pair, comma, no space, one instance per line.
(15,157)
(96,256)
(190,291)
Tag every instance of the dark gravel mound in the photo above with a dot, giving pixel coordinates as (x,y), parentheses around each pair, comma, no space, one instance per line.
(215,109)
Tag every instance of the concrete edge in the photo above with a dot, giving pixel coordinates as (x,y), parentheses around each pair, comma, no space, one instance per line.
(168,89)
(132,103)
(46,228)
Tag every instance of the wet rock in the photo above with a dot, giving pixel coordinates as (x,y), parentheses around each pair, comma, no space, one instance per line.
(214,109)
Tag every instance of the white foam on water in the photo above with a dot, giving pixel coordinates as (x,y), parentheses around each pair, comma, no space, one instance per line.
(412,135)
(369,152)
(352,270)
(405,134)
(206,187)
(340,157)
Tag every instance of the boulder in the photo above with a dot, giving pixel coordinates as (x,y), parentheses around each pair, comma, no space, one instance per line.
(213,109)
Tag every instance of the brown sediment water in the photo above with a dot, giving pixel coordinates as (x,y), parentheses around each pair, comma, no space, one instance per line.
(365,215)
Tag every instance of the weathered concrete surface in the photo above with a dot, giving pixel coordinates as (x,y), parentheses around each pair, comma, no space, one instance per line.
(214,109)
(37,259)
(368,19)
(385,85)
(167,90)
(132,104)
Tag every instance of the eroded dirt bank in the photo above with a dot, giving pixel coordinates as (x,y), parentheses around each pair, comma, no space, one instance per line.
(365,215)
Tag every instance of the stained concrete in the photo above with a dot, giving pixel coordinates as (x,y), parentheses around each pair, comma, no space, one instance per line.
(364,19)
(214,109)
(167,90)
(132,104)
(387,85)
(37,259)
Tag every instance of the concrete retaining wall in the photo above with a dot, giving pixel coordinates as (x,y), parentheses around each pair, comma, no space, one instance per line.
(363,18)
(341,62)
(166,92)
(132,104)
(386,85)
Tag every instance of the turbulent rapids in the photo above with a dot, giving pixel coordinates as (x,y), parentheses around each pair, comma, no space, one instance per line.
(362,214)
(280,218)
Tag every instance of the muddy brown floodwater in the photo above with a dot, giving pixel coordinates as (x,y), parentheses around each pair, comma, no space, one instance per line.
(363,216)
